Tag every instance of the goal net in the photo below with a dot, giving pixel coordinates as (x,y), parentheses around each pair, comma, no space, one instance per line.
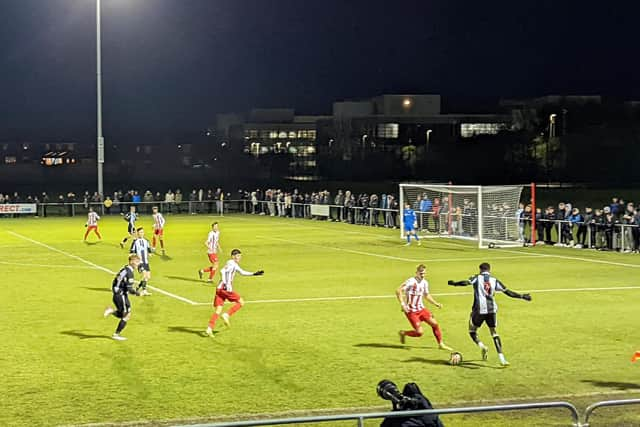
(487,214)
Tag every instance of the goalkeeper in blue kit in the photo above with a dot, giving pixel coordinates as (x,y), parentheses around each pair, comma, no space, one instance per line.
(410,222)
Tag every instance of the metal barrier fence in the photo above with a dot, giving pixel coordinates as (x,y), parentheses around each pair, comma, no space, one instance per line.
(359,418)
(618,236)
(607,403)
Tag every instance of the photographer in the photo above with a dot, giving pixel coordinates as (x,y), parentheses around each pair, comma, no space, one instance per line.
(411,399)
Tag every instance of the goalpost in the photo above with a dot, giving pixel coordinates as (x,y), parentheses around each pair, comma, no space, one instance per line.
(488,214)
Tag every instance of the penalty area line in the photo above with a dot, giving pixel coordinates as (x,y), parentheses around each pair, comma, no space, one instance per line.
(441,294)
(391,257)
(95,266)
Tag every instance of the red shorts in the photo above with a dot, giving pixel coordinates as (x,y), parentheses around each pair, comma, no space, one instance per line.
(213,258)
(415,317)
(92,227)
(159,231)
(222,296)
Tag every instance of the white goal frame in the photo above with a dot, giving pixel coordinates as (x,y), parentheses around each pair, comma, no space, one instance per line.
(508,220)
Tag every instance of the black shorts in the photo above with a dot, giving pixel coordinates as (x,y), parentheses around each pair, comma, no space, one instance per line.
(144,267)
(123,306)
(131,229)
(478,319)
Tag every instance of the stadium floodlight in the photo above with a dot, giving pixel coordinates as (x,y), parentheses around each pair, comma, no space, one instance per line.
(483,213)
(100,141)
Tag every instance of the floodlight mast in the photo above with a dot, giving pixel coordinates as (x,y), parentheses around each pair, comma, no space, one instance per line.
(100,141)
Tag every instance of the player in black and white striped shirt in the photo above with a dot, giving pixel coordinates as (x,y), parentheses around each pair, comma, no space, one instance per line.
(143,249)
(121,287)
(484,307)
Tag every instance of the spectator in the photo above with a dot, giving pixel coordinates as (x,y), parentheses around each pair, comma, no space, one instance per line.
(425,211)
(209,198)
(374,204)
(177,198)
(550,219)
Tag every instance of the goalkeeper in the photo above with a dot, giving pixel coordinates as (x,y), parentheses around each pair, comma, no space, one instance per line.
(485,308)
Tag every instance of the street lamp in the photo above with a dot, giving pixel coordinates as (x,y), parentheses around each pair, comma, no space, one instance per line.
(428,139)
(552,134)
(100,144)
(364,139)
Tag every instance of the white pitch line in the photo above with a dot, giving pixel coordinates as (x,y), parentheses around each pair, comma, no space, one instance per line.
(96,266)
(390,256)
(24,264)
(575,258)
(441,294)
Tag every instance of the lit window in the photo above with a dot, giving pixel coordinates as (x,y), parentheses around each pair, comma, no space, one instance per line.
(9,160)
(292,135)
(312,134)
(468,130)
(282,135)
(273,134)
(388,130)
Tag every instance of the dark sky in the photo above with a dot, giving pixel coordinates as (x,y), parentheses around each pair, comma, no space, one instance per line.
(170,65)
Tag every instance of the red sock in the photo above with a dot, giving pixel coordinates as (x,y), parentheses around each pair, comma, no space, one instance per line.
(212,272)
(162,243)
(86,234)
(212,321)
(205,270)
(412,333)
(235,307)
(153,241)
(437,333)
(98,234)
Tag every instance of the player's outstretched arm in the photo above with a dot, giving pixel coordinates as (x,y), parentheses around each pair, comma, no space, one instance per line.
(130,287)
(513,294)
(400,296)
(458,283)
(429,298)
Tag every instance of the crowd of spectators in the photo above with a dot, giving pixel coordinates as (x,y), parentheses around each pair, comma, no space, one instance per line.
(362,208)
(615,226)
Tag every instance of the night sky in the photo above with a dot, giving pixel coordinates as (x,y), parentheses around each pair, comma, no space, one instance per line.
(170,65)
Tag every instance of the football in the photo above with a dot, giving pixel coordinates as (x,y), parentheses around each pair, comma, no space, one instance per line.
(455,358)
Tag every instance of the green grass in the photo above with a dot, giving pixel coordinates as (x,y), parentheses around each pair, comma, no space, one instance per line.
(60,367)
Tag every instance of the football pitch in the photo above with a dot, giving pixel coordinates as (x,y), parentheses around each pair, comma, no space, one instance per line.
(318,332)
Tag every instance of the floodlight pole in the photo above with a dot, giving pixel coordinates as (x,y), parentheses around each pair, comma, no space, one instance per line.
(100,142)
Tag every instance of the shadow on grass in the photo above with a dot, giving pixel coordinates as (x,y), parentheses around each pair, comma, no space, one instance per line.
(165,257)
(92,243)
(189,330)
(97,289)
(84,335)
(386,345)
(442,362)
(613,384)
(185,279)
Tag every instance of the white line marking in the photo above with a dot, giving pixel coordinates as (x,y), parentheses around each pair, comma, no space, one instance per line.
(441,294)
(575,258)
(96,266)
(390,256)
(46,265)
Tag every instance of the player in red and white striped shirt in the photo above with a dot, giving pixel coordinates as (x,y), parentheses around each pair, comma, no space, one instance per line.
(213,248)
(158,229)
(92,224)
(410,295)
(225,291)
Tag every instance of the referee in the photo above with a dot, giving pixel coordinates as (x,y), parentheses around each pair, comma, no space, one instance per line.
(122,286)
(485,308)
